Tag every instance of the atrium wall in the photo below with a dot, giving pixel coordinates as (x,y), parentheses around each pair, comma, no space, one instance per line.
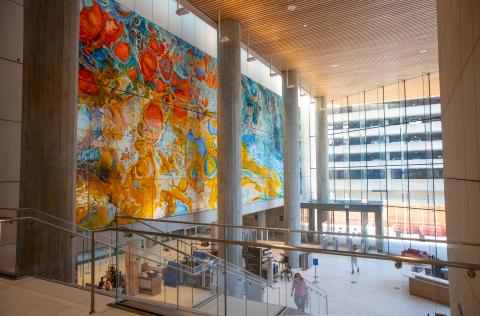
(459,62)
(11,62)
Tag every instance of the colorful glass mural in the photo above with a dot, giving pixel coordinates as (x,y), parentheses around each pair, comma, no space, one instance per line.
(262,154)
(146,126)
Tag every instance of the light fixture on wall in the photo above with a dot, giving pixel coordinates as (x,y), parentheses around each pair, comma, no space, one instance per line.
(289,84)
(221,39)
(272,74)
(249,58)
(181,10)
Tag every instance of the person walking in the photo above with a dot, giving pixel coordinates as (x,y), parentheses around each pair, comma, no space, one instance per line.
(354,260)
(299,292)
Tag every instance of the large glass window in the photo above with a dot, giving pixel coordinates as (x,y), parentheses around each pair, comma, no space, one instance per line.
(385,146)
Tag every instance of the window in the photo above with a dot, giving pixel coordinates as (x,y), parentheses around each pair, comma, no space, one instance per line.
(376,174)
(396,174)
(356,174)
(388,146)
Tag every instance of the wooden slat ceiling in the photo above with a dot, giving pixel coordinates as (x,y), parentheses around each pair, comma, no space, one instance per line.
(340,46)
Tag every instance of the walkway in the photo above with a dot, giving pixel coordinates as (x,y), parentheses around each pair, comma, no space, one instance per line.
(379,289)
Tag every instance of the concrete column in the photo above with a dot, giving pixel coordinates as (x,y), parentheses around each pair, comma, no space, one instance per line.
(364,222)
(262,222)
(311,218)
(229,118)
(379,229)
(321,142)
(459,63)
(291,161)
(48,167)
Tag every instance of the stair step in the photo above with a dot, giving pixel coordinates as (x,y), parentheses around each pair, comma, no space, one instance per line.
(291,311)
(154,309)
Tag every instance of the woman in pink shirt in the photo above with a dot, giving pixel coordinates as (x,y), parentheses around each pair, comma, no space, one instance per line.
(299,292)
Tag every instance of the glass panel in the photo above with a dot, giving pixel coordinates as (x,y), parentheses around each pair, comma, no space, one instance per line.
(385,146)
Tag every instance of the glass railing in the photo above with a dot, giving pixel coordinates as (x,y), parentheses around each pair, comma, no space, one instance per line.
(416,258)
(205,288)
(196,250)
(138,262)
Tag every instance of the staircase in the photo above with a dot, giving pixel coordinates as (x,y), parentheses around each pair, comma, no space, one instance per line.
(198,284)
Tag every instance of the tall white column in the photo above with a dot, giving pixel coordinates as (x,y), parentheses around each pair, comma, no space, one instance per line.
(321,142)
(229,139)
(262,222)
(291,161)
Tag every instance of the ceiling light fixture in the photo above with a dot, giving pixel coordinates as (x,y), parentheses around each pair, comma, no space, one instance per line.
(423,51)
(221,39)
(291,7)
(249,58)
(181,10)
(272,74)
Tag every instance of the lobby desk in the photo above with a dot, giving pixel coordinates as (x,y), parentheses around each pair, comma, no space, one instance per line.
(430,288)
(152,286)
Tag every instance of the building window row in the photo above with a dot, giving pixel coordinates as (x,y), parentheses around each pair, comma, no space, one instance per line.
(387,105)
(377,139)
(394,155)
(394,174)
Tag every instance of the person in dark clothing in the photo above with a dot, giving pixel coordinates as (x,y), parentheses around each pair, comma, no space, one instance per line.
(101,284)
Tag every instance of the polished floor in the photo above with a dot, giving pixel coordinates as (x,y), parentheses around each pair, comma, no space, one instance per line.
(379,289)
(31,296)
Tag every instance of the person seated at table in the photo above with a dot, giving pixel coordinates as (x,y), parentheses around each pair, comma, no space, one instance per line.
(101,284)
(111,273)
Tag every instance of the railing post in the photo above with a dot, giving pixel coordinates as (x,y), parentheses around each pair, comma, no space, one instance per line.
(92,276)
(326,303)
(178,276)
(117,260)
(225,267)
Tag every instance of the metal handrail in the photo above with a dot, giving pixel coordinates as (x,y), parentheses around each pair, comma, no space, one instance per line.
(436,262)
(454,264)
(287,230)
(417,261)
(82,236)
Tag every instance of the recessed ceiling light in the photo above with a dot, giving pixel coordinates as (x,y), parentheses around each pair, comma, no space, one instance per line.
(423,51)
(291,7)
(335,66)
